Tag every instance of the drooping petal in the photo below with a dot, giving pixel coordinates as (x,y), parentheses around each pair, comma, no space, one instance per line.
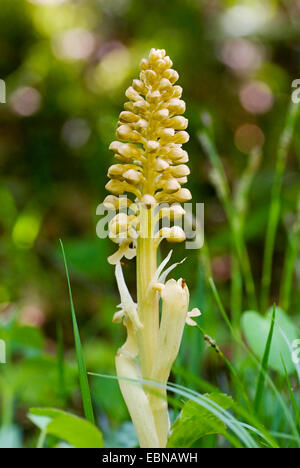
(128,305)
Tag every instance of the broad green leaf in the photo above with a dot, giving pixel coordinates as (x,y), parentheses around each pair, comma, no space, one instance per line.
(36,380)
(124,437)
(196,422)
(28,340)
(256,329)
(10,437)
(76,431)
(83,258)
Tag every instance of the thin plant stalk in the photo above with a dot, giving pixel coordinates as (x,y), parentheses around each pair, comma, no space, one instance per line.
(274,213)
(222,185)
(83,380)
(291,255)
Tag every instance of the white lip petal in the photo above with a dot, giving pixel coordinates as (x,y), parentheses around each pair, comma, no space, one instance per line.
(190,322)
(194,312)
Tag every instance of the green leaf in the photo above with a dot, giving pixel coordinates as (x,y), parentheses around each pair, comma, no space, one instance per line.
(76,431)
(264,364)
(256,329)
(196,422)
(28,340)
(83,258)
(10,437)
(123,437)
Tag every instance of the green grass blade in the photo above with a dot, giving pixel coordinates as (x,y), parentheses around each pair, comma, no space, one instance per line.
(274,213)
(264,365)
(212,343)
(220,306)
(292,250)
(222,188)
(83,380)
(230,421)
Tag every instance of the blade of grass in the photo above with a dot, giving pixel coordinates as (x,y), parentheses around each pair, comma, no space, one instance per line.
(291,255)
(223,189)
(241,203)
(212,343)
(264,365)
(230,421)
(83,380)
(221,307)
(194,379)
(274,213)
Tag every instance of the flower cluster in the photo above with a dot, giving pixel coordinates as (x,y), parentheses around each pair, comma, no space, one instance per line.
(151,164)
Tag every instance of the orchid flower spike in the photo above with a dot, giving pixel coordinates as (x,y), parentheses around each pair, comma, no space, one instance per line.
(146,192)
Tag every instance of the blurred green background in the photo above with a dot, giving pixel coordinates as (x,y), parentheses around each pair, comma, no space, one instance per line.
(66,65)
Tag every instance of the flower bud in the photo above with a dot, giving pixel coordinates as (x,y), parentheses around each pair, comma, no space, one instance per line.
(170,185)
(180,171)
(176,106)
(112,202)
(171,75)
(119,224)
(132,176)
(132,94)
(178,122)
(172,234)
(139,86)
(182,195)
(172,212)
(181,137)
(161,165)
(162,114)
(116,171)
(129,116)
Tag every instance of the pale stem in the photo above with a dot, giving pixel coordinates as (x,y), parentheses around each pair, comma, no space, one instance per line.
(147,297)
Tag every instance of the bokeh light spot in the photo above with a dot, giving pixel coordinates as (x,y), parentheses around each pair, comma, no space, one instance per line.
(26,230)
(48,2)
(242,20)
(25,101)
(75,132)
(241,55)
(112,70)
(256,97)
(75,44)
(248,137)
